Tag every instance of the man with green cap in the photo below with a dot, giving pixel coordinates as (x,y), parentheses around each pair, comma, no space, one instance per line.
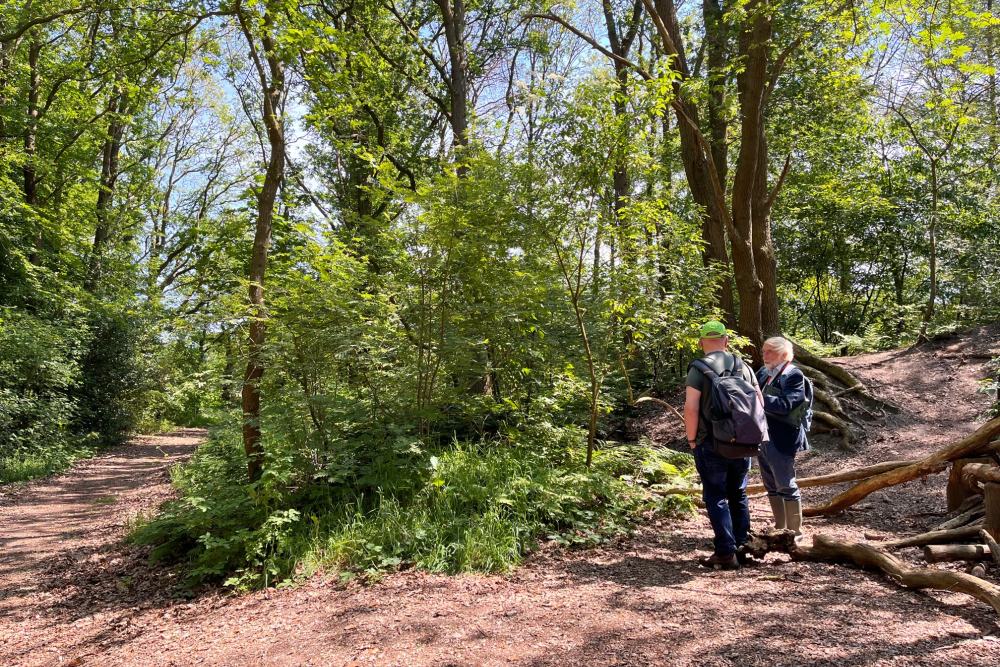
(724,480)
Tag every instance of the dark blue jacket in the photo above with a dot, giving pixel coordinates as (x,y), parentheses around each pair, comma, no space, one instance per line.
(789,390)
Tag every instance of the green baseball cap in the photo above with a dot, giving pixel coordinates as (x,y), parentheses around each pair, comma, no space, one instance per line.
(713,329)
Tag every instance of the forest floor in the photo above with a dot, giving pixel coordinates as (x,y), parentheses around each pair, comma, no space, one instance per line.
(71,593)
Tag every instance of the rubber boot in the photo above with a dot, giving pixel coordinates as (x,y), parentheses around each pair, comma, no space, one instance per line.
(778,510)
(793,516)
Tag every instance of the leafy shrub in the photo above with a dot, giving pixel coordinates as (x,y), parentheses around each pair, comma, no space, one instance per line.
(109,390)
(467,507)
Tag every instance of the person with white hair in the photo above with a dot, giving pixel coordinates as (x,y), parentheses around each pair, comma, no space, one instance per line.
(786,404)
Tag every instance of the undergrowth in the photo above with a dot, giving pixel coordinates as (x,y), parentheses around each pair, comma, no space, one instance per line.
(468,507)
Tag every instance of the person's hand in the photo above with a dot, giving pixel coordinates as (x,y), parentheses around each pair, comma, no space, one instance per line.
(692,444)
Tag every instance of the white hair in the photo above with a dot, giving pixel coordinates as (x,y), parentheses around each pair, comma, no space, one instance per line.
(782,345)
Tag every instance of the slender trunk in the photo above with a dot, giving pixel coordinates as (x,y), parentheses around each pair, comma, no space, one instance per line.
(273,86)
(453,18)
(31,130)
(110,153)
(932,297)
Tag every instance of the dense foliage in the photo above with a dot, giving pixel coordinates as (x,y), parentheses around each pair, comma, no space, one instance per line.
(407,258)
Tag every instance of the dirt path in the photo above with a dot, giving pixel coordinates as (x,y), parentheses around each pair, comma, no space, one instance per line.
(60,558)
(88,600)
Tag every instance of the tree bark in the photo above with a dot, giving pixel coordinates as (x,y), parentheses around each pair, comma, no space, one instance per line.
(749,196)
(110,152)
(959,488)
(948,553)
(453,19)
(29,170)
(696,169)
(272,82)
(840,477)
(832,549)
(991,498)
(935,537)
(933,463)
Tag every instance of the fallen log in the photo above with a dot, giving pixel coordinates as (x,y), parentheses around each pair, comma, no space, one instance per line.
(840,477)
(992,545)
(937,537)
(947,553)
(977,511)
(806,482)
(849,379)
(936,462)
(826,548)
(983,472)
(992,448)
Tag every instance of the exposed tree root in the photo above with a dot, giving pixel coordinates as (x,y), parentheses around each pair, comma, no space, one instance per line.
(936,462)
(835,406)
(852,382)
(847,437)
(826,548)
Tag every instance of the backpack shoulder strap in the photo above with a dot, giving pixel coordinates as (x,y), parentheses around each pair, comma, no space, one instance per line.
(703,367)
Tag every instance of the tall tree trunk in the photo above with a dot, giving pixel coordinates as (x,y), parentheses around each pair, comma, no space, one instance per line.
(31,130)
(620,45)
(696,169)
(453,18)
(272,82)
(749,197)
(932,297)
(110,153)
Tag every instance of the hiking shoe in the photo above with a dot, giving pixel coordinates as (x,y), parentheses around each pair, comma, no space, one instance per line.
(720,562)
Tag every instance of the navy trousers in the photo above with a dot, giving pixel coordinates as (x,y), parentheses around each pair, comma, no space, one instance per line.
(724,483)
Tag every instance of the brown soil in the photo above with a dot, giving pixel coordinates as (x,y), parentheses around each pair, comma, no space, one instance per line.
(72,594)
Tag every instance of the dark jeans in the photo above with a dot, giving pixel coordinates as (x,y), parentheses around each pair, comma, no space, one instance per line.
(724,483)
(777,472)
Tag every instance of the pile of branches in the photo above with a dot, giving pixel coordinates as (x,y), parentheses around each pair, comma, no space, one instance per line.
(964,536)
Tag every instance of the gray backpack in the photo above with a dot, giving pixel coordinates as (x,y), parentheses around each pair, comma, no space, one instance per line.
(738,425)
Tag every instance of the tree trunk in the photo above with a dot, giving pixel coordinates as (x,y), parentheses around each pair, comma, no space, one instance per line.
(453,18)
(30,131)
(749,197)
(959,488)
(932,297)
(991,498)
(715,254)
(272,83)
(110,152)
